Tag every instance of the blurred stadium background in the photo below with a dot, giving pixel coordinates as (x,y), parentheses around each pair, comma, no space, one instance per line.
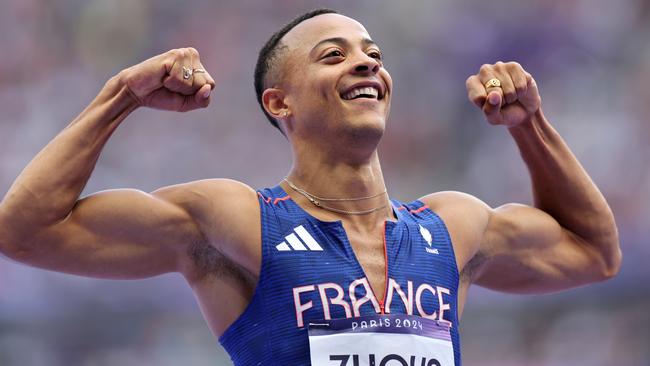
(591,59)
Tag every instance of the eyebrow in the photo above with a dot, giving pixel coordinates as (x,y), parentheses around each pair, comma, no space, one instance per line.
(343,41)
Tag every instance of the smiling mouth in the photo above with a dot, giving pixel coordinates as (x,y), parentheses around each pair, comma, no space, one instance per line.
(366,92)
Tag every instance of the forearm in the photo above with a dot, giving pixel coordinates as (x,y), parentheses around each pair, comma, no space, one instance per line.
(563,189)
(48,188)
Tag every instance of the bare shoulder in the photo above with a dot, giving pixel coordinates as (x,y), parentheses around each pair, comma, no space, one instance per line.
(455,202)
(466,218)
(227,213)
(208,195)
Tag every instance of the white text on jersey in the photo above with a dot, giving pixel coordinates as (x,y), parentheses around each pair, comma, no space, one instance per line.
(410,299)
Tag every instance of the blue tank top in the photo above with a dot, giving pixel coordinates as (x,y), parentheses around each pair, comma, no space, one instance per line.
(309,272)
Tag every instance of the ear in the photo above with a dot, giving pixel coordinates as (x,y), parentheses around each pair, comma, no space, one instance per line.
(273,100)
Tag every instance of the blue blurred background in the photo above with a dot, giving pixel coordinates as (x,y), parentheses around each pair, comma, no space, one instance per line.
(591,59)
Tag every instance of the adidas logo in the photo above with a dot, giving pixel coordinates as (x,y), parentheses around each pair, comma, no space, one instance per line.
(294,243)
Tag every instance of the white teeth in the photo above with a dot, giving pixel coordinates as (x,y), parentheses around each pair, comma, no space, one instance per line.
(368,90)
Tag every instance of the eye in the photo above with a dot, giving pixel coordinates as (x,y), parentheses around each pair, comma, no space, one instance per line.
(334,53)
(375,54)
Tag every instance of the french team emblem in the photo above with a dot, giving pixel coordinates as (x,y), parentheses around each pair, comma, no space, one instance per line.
(426,235)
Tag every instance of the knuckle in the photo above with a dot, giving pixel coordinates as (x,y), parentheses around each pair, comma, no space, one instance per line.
(173,55)
(126,75)
(513,65)
(485,68)
(192,51)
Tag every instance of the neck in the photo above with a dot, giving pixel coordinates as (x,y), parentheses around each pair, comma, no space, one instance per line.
(345,181)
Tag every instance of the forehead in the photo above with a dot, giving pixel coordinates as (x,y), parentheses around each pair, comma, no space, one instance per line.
(308,33)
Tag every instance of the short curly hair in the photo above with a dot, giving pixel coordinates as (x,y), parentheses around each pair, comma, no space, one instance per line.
(267,60)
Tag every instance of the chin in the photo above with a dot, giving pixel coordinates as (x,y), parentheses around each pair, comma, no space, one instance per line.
(368,130)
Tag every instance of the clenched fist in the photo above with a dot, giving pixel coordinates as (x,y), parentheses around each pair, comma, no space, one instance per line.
(174,80)
(510,99)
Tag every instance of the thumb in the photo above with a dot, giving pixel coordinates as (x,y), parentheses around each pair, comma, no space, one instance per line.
(492,107)
(200,99)
(202,96)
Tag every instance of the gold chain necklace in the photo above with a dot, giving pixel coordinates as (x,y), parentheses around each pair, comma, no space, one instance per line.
(317,201)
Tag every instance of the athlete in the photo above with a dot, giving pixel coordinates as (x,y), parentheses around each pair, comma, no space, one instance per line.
(325,252)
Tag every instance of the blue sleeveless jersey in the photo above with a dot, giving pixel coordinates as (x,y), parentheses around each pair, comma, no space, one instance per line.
(309,272)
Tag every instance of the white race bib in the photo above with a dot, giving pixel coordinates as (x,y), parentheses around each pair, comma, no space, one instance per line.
(381,340)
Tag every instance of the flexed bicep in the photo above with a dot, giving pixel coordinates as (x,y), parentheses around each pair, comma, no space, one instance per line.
(116,234)
(525,250)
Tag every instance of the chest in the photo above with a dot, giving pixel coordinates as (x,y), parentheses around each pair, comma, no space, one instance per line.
(314,271)
(369,251)
(351,272)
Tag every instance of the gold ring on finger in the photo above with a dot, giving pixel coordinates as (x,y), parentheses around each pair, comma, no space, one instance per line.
(187,72)
(493,83)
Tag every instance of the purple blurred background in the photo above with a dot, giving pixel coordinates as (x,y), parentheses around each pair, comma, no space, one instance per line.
(591,60)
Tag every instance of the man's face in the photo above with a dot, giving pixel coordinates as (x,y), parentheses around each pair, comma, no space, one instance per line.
(335,81)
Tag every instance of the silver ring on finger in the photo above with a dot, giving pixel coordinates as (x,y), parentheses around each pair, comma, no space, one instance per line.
(198,71)
(187,72)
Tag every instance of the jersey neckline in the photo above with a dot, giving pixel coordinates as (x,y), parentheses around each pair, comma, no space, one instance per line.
(394,205)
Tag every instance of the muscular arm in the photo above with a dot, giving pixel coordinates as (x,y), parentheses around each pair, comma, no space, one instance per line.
(569,238)
(120,234)
(114,234)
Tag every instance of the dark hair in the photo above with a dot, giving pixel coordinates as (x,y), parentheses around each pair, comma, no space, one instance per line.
(266,60)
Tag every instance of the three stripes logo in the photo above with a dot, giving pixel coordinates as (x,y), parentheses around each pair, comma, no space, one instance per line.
(292,241)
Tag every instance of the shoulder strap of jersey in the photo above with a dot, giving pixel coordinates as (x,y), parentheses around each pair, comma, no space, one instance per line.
(418,213)
(273,212)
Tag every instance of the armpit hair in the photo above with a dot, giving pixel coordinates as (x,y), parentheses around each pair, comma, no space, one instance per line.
(471,269)
(209,261)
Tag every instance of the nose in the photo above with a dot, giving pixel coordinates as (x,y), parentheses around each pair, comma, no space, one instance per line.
(366,65)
